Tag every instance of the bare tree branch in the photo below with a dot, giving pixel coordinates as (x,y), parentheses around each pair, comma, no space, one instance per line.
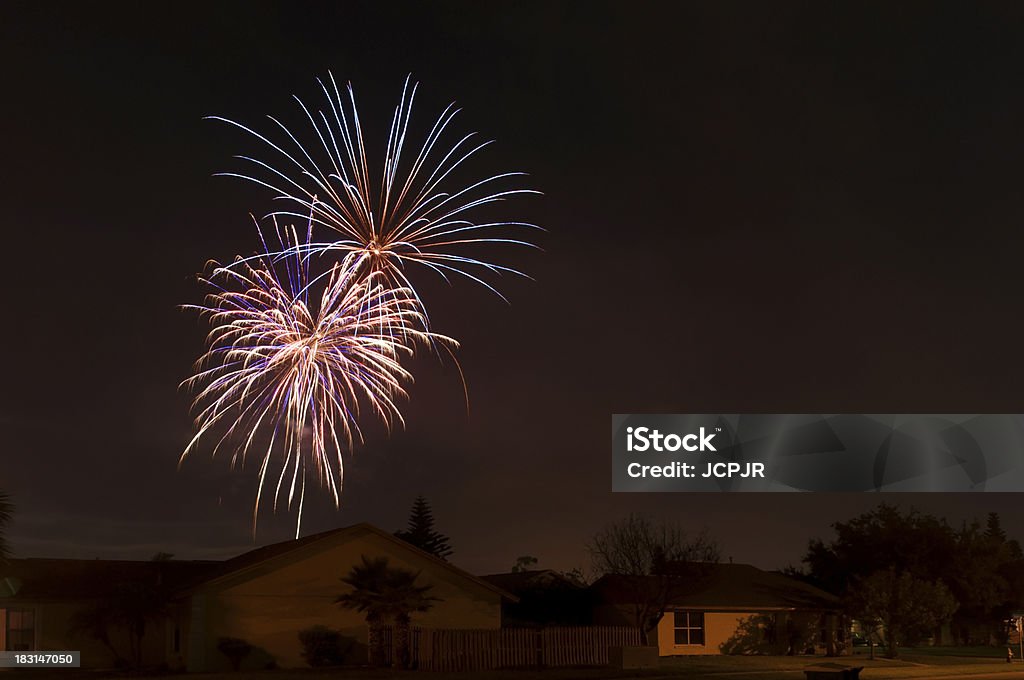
(654,561)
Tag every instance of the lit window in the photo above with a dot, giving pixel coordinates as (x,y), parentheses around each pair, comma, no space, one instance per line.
(689,628)
(21,630)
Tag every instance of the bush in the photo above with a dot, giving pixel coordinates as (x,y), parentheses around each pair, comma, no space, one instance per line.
(233,648)
(322,646)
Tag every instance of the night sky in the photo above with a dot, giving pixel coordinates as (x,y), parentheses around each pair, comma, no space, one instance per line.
(751,207)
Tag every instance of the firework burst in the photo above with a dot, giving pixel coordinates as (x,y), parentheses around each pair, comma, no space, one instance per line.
(413,215)
(295,358)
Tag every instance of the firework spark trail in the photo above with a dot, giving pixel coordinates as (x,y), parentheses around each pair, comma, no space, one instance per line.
(299,372)
(296,360)
(410,219)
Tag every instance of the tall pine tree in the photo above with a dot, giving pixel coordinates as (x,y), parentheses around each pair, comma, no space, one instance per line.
(421,531)
(994,528)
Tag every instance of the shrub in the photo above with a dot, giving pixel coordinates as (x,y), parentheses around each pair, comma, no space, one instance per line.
(322,646)
(236,650)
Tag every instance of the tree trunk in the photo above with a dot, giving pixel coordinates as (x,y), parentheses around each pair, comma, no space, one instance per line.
(375,642)
(105,639)
(891,642)
(401,642)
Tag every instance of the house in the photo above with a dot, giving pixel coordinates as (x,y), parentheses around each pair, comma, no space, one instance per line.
(544,598)
(730,609)
(44,605)
(265,597)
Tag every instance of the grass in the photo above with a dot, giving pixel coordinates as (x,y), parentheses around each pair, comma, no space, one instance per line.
(913,663)
(935,654)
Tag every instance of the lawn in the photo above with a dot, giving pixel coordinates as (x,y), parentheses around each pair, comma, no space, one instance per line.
(913,663)
(937,654)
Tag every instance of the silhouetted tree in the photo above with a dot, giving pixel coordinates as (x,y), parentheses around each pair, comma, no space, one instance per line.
(900,605)
(135,603)
(383,593)
(405,599)
(1008,566)
(994,528)
(367,597)
(549,598)
(995,533)
(524,563)
(980,566)
(577,576)
(97,621)
(421,533)
(874,541)
(6,511)
(129,606)
(655,561)
(974,576)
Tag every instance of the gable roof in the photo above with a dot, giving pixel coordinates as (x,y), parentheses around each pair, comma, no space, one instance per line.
(280,551)
(731,587)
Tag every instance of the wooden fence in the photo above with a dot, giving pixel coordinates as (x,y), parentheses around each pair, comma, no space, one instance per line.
(438,649)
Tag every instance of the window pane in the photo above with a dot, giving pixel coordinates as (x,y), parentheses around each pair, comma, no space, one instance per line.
(680,619)
(697,619)
(20,630)
(681,636)
(696,636)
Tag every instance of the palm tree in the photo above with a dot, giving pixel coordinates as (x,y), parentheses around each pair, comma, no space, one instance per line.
(128,606)
(405,598)
(6,510)
(136,603)
(367,597)
(97,621)
(382,592)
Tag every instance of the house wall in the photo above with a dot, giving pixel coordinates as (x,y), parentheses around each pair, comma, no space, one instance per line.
(720,628)
(725,632)
(269,604)
(53,633)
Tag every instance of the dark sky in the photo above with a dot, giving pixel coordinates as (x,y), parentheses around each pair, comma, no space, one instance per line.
(751,207)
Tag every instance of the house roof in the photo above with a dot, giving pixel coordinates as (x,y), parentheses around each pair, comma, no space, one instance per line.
(519,582)
(281,550)
(45,579)
(731,587)
(33,578)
